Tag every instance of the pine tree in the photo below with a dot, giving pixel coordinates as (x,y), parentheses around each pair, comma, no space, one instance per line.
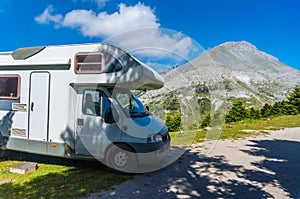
(276,109)
(173,122)
(168,121)
(237,112)
(266,111)
(254,114)
(177,121)
(294,97)
(206,121)
(288,109)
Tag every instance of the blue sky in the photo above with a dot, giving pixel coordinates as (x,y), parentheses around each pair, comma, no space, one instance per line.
(177,25)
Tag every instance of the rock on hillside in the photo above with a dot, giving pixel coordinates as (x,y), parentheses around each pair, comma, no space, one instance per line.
(228,71)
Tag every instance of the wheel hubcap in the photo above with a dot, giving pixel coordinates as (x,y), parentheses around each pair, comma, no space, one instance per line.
(121,159)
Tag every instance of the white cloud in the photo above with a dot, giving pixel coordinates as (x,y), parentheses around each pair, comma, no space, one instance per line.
(134,28)
(46,17)
(155,42)
(104,25)
(100,3)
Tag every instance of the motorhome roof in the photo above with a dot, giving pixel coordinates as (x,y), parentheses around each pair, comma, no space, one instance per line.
(133,73)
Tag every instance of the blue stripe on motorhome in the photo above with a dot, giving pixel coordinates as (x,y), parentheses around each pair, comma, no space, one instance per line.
(5,105)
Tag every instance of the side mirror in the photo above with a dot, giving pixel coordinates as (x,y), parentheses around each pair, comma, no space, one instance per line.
(147,107)
(111,116)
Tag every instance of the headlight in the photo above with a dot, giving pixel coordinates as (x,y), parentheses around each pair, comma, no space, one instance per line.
(154,138)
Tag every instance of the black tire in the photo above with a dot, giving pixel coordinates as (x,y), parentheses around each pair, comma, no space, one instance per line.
(121,159)
(1,154)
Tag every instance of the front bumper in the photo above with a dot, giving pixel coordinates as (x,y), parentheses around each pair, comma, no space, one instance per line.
(154,156)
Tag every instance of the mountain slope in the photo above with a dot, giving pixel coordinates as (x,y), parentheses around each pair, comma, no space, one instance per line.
(228,71)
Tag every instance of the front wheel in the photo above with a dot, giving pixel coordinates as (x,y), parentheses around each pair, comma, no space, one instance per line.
(1,153)
(121,158)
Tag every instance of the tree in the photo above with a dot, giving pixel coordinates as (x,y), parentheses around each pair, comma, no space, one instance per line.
(266,111)
(288,109)
(168,121)
(204,105)
(294,97)
(237,112)
(206,121)
(276,109)
(173,122)
(254,114)
(177,121)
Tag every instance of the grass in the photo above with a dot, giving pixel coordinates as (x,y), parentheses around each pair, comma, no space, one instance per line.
(60,178)
(235,130)
(68,179)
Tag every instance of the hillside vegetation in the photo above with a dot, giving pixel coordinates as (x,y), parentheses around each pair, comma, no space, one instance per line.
(234,74)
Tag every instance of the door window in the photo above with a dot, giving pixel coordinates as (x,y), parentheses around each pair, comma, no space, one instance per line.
(95,102)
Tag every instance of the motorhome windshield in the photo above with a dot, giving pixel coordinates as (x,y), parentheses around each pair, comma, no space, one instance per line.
(130,103)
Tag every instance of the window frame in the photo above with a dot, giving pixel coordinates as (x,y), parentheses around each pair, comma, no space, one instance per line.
(77,64)
(18,94)
(100,101)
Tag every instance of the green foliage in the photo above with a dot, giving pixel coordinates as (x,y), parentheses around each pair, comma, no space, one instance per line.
(289,109)
(169,121)
(254,114)
(192,126)
(294,97)
(173,122)
(237,112)
(266,111)
(201,89)
(206,121)
(227,85)
(172,104)
(276,109)
(204,106)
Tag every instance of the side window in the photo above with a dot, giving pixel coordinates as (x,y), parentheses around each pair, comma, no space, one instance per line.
(91,102)
(89,63)
(96,63)
(95,102)
(9,87)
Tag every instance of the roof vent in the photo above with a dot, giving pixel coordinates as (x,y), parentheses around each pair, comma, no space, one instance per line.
(24,53)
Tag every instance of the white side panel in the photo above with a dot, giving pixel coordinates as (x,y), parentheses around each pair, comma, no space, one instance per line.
(59,105)
(39,106)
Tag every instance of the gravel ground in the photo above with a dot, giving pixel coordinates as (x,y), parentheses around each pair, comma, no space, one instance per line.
(267,166)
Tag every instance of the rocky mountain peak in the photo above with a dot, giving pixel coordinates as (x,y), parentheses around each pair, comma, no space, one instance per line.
(245,47)
(239,45)
(229,71)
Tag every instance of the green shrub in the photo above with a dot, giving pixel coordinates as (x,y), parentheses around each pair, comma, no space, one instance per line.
(206,121)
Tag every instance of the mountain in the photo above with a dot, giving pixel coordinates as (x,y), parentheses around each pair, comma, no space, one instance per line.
(226,72)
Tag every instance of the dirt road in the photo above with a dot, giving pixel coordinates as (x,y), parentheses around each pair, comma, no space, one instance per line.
(261,167)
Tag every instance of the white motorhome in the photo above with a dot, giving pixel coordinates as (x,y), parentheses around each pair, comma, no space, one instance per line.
(75,101)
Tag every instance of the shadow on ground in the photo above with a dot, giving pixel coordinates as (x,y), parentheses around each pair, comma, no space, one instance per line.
(69,179)
(191,176)
(197,176)
(282,159)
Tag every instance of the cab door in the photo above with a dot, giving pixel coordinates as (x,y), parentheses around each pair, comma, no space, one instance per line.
(93,134)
